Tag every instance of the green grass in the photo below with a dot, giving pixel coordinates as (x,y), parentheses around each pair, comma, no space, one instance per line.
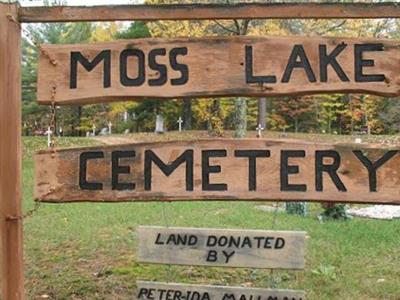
(87,250)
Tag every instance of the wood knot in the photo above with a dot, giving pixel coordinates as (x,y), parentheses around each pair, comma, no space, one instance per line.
(13,218)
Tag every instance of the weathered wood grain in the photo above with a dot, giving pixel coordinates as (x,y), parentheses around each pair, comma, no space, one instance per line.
(209,11)
(212,169)
(222,247)
(11,242)
(216,66)
(164,291)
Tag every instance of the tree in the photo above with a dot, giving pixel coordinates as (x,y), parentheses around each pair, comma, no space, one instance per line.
(330,110)
(390,115)
(295,110)
(210,112)
(190,28)
(187,113)
(372,107)
(240,117)
(144,112)
(240,102)
(262,112)
(105,32)
(201,28)
(34,116)
(136,30)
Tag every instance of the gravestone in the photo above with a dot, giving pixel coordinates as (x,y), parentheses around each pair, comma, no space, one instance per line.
(296,208)
(103,131)
(159,124)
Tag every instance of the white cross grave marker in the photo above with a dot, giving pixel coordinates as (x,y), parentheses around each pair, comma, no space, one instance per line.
(259,129)
(180,121)
(49,133)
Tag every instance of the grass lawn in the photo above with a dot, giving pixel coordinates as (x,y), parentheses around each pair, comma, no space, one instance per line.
(87,250)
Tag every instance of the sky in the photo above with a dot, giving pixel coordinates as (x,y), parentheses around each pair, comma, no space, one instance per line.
(79,2)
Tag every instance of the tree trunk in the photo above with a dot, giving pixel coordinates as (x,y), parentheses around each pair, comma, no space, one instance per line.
(348,98)
(262,111)
(240,102)
(240,117)
(216,118)
(329,125)
(187,113)
(209,127)
(79,116)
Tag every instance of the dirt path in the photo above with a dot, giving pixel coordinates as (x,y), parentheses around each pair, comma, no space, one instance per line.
(376,141)
(149,137)
(115,140)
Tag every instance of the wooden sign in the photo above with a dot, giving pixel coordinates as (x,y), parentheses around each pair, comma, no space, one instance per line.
(222,247)
(165,291)
(216,66)
(224,169)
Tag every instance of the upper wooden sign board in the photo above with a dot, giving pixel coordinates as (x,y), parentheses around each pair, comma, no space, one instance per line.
(216,66)
(225,169)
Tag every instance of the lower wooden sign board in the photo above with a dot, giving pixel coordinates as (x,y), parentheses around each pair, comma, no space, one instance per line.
(222,247)
(220,169)
(167,291)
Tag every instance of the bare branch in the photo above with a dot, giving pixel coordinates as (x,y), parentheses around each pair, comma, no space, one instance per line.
(224,27)
(245,26)
(334,27)
(237,26)
(380,26)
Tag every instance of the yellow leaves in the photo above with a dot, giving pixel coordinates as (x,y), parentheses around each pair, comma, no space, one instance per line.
(119,108)
(171,29)
(214,112)
(202,109)
(271,28)
(105,32)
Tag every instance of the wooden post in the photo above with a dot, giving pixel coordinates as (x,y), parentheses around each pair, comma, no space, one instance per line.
(10,154)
